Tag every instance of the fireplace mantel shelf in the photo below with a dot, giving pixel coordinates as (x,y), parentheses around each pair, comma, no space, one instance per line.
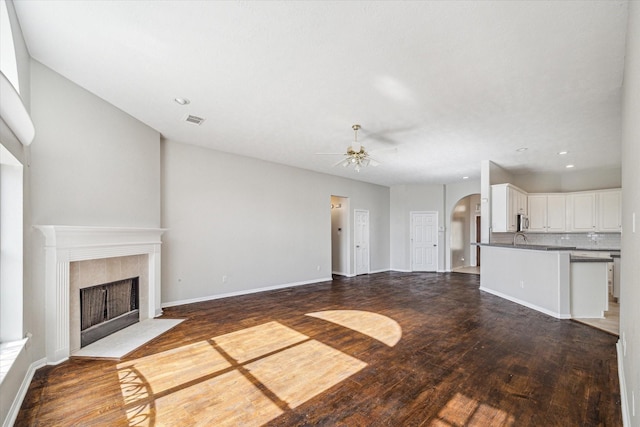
(65,244)
(82,236)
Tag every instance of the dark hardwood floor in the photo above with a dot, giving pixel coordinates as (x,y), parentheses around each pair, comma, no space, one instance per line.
(459,357)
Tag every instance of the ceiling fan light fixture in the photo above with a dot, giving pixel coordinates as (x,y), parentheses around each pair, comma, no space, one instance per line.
(356,154)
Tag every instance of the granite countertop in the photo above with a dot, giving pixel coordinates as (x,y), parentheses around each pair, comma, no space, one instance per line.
(614,252)
(531,247)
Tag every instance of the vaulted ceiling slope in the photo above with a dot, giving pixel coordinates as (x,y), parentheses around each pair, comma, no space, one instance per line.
(437,86)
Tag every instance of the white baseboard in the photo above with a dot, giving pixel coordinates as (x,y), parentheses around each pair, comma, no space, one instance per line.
(402,270)
(384,270)
(244,292)
(22,392)
(526,304)
(626,418)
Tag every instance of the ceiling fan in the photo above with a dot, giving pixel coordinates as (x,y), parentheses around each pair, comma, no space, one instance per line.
(356,154)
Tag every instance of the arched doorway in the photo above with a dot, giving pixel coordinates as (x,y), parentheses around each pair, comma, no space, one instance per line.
(465,232)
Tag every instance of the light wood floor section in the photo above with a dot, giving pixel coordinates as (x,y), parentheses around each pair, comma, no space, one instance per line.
(467,270)
(388,349)
(611,321)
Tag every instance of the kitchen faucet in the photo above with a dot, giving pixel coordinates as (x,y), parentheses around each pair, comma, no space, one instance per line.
(519,233)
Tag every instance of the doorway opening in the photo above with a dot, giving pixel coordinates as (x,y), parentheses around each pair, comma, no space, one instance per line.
(340,236)
(465,235)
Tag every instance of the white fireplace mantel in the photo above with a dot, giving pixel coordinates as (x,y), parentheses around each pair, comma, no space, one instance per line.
(65,244)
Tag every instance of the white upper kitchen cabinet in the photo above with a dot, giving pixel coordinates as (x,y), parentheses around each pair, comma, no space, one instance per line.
(556,213)
(507,201)
(537,212)
(547,213)
(609,210)
(583,212)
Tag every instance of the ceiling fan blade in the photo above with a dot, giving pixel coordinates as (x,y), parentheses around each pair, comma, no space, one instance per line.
(387,136)
(390,150)
(343,162)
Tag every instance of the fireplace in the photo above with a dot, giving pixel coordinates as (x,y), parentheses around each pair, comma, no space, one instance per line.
(78,257)
(107,308)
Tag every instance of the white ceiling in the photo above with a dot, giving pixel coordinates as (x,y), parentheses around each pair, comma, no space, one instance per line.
(437,86)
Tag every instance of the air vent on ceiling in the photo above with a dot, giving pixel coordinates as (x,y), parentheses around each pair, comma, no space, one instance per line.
(193,119)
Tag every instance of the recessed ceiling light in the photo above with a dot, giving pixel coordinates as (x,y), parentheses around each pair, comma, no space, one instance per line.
(562,153)
(569,166)
(520,150)
(182,101)
(465,177)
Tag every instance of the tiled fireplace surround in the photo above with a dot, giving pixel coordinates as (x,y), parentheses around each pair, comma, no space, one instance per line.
(80,257)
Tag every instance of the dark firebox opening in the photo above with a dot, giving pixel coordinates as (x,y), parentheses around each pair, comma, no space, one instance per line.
(107,308)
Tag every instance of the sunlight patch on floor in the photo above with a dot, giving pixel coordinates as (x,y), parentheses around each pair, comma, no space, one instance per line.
(160,372)
(464,411)
(249,343)
(227,400)
(247,377)
(311,368)
(377,326)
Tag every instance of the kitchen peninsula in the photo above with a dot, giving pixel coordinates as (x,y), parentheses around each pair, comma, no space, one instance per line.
(546,278)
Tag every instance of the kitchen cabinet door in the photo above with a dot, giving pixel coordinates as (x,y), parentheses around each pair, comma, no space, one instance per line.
(538,213)
(583,212)
(506,202)
(547,213)
(556,213)
(521,203)
(513,210)
(609,212)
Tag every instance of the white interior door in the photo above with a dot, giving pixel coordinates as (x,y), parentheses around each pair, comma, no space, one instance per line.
(361,241)
(424,241)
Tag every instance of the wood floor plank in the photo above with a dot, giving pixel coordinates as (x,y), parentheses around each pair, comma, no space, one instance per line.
(462,357)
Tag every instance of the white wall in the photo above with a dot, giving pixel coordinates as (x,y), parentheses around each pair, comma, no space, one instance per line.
(596,179)
(91,164)
(630,276)
(535,279)
(407,198)
(424,197)
(238,224)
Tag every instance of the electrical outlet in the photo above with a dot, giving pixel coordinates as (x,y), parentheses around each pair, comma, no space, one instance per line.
(225,279)
(522,284)
(318,268)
